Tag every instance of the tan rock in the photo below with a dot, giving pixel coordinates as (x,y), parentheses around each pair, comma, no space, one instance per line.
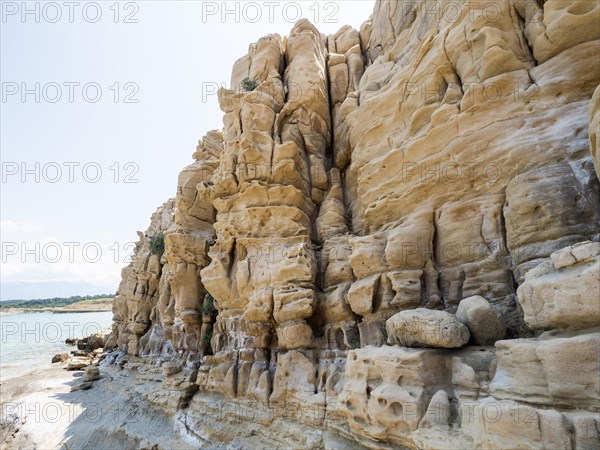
(294,335)
(564,291)
(78,363)
(362,293)
(545,203)
(407,287)
(60,358)
(438,412)
(546,26)
(294,378)
(91,373)
(550,371)
(376,403)
(485,324)
(502,424)
(426,328)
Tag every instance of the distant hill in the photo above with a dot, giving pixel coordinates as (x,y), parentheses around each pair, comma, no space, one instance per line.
(56,302)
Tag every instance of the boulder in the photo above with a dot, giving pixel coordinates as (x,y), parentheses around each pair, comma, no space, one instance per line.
(91,373)
(423,327)
(483,321)
(60,358)
(78,363)
(90,343)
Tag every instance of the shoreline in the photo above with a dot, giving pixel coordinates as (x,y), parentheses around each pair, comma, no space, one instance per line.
(39,410)
(89,308)
(53,311)
(34,410)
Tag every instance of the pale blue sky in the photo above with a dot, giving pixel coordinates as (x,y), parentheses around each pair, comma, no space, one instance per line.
(168,54)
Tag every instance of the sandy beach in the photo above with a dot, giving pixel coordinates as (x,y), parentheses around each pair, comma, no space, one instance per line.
(38,410)
(35,409)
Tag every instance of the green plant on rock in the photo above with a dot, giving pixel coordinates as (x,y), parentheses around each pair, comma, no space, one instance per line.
(355,341)
(206,338)
(384,333)
(208,306)
(249,85)
(157,244)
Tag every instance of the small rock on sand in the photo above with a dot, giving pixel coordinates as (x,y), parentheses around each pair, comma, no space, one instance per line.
(60,357)
(78,363)
(81,386)
(91,373)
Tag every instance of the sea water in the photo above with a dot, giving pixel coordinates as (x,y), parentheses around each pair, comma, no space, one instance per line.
(29,340)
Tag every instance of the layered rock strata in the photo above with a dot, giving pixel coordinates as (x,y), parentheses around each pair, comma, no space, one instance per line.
(373,181)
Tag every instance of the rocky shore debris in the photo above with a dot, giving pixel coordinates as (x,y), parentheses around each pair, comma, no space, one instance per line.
(90,374)
(87,357)
(89,343)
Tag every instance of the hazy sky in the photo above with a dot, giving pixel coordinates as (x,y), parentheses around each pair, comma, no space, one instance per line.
(102,106)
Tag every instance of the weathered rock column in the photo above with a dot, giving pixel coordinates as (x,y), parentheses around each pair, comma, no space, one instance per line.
(139,290)
(186,249)
(177,317)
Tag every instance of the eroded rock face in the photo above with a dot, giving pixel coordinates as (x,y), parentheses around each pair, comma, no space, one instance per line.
(376,404)
(158,309)
(563,292)
(380,186)
(561,365)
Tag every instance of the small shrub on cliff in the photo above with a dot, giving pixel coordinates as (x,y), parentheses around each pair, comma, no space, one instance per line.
(206,339)
(384,333)
(208,307)
(355,341)
(157,244)
(248,84)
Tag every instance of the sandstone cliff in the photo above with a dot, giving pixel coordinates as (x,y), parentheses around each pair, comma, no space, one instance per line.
(426,181)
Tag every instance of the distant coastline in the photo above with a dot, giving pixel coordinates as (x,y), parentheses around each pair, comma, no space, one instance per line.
(81,306)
